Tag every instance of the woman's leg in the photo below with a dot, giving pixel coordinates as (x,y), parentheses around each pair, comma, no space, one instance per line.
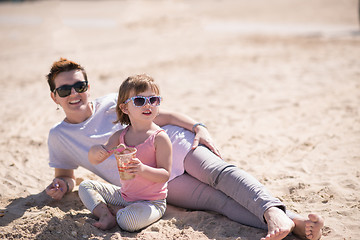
(231,180)
(188,192)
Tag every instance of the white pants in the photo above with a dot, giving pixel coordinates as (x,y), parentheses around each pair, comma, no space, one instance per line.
(134,216)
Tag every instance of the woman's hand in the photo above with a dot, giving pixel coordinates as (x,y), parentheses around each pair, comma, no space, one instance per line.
(202,136)
(57,189)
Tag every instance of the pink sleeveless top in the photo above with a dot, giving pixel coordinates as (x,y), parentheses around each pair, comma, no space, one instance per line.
(140,188)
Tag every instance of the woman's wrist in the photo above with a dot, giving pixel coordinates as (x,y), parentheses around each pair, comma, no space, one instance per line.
(67,184)
(198,124)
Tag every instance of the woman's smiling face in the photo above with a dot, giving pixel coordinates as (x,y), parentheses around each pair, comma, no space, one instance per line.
(76,104)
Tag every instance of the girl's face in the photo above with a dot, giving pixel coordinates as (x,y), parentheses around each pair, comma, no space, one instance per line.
(147,112)
(75,103)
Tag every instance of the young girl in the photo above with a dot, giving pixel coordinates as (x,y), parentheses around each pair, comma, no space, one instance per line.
(140,201)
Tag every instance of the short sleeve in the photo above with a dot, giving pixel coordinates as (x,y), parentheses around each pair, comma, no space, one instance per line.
(59,157)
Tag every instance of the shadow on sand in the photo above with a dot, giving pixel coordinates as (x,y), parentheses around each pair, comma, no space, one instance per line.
(40,217)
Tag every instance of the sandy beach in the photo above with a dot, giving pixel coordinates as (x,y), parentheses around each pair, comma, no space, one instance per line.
(277,83)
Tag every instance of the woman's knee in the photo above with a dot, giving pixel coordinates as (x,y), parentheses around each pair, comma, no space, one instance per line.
(206,166)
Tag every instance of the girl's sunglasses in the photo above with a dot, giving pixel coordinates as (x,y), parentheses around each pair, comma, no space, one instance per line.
(140,101)
(65,90)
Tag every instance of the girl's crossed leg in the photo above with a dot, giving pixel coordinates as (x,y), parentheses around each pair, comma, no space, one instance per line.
(130,216)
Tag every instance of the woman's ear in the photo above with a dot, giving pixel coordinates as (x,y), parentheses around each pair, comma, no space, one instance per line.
(88,90)
(52,95)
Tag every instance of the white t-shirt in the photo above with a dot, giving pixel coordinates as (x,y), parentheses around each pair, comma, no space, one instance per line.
(69,143)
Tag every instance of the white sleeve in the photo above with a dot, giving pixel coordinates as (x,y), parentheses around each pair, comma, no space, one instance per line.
(181,140)
(59,157)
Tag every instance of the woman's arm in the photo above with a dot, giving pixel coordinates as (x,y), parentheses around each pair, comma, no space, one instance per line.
(166,117)
(63,183)
(202,135)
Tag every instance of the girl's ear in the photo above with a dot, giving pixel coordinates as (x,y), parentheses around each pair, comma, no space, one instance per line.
(123,108)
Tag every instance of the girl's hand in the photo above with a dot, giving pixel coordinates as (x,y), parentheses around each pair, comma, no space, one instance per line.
(202,136)
(56,189)
(98,154)
(134,166)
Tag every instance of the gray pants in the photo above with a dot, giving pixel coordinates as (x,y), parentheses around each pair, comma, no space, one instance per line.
(212,184)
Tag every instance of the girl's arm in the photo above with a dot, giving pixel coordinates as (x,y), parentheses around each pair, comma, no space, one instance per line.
(163,161)
(98,153)
(202,135)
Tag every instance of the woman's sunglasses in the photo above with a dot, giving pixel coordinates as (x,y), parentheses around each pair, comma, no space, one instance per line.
(65,90)
(140,101)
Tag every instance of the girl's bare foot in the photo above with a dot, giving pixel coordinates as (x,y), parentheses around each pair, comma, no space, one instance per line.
(106,219)
(279,224)
(106,223)
(114,209)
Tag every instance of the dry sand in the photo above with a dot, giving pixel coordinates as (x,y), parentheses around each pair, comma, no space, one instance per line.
(277,82)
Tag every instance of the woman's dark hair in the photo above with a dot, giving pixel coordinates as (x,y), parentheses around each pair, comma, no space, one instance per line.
(63,65)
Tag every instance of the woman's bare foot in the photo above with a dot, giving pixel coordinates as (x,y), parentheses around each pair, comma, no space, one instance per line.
(279,224)
(106,218)
(313,227)
(310,228)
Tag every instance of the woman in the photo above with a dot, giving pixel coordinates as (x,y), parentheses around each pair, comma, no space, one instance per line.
(199,178)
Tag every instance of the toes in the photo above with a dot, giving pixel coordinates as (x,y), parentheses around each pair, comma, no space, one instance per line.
(267,236)
(97,224)
(276,233)
(313,227)
(313,217)
(273,235)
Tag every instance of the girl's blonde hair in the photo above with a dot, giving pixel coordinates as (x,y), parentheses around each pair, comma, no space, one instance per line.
(137,83)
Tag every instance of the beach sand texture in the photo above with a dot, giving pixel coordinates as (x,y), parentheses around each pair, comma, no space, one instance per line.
(277,83)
